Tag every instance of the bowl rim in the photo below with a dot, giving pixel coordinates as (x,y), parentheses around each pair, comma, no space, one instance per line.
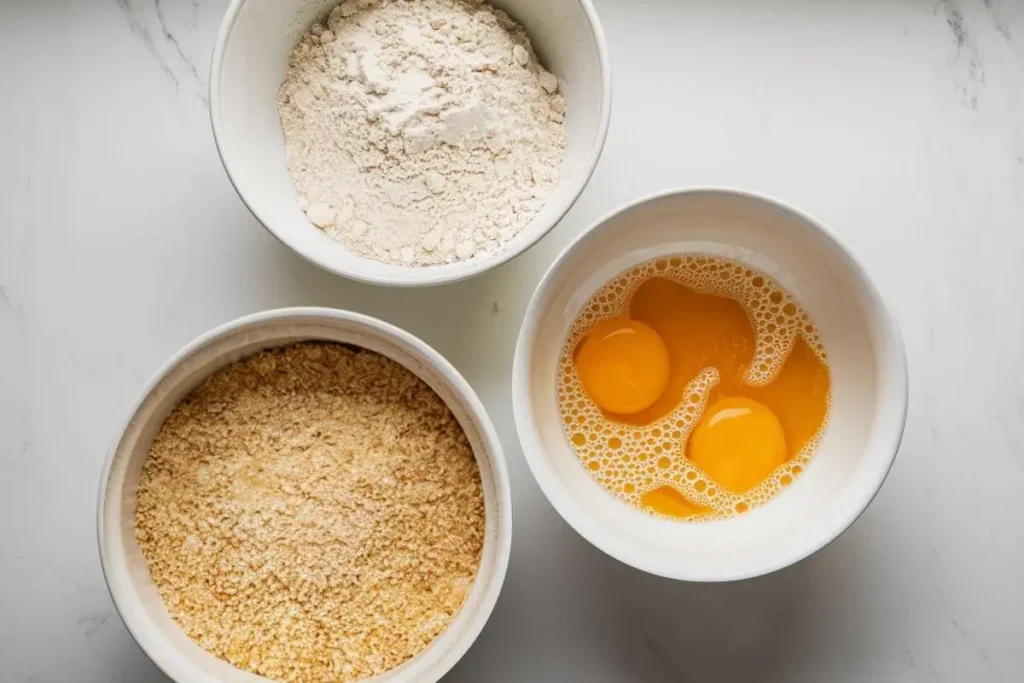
(494,453)
(423,276)
(889,424)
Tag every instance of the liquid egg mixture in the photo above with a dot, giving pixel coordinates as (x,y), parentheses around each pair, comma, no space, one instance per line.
(693,387)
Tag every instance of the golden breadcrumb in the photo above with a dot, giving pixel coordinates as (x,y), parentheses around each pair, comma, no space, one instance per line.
(312,513)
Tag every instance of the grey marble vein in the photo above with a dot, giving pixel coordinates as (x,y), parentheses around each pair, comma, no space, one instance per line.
(93,623)
(935,675)
(140,30)
(978,646)
(966,53)
(1013,449)
(162,37)
(663,659)
(169,36)
(999,22)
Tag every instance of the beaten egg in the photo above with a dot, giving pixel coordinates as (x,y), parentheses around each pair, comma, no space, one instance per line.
(693,387)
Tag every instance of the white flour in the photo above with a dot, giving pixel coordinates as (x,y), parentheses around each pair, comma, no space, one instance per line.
(420,131)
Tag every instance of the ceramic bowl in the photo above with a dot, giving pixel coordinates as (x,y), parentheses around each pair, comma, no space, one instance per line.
(250,62)
(866,358)
(125,568)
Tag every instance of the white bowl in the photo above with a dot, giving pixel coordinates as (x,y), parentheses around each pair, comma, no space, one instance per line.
(124,566)
(250,62)
(866,358)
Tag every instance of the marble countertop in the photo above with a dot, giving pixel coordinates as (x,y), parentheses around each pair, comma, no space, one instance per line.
(900,123)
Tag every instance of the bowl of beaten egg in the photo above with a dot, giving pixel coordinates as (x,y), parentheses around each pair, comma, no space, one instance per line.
(707,386)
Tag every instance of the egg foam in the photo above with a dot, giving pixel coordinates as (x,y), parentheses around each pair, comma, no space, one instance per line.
(733,333)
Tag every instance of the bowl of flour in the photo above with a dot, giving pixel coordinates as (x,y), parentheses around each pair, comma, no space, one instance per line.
(410,142)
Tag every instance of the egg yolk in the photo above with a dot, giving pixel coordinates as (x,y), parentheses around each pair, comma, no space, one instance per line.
(671,503)
(623,366)
(738,443)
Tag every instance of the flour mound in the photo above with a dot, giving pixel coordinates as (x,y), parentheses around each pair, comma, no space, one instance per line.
(420,132)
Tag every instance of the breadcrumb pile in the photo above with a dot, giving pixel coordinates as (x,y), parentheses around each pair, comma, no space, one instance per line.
(312,513)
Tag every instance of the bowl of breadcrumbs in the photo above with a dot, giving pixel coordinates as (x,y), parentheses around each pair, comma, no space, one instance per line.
(306,495)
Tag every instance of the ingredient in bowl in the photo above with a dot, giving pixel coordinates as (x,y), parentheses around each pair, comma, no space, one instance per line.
(623,365)
(744,405)
(312,513)
(738,443)
(422,132)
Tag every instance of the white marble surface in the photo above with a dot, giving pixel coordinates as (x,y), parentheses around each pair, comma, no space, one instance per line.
(898,122)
